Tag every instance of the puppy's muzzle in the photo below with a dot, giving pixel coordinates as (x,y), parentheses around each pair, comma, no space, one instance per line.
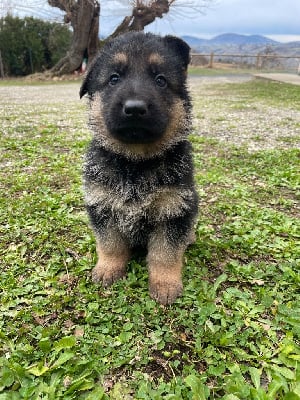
(137,121)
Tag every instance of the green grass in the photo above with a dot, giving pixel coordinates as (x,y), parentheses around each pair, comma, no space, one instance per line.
(203,71)
(23,81)
(274,93)
(233,69)
(235,333)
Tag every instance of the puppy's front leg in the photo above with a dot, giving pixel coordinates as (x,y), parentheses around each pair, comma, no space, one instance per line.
(113,256)
(165,269)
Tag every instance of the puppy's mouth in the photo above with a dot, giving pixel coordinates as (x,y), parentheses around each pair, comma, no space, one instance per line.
(136,134)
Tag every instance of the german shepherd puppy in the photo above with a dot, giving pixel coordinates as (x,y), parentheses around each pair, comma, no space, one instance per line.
(138,174)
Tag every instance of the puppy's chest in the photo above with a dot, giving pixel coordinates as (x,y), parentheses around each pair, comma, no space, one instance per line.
(132,203)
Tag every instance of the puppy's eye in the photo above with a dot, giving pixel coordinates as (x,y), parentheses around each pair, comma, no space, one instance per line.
(161,81)
(114,79)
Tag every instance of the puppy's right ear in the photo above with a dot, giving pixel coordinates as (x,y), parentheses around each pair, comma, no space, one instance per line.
(85,84)
(84,88)
(89,84)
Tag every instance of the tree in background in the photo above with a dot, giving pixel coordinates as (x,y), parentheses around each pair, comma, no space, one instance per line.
(83,15)
(12,45)
(30,45)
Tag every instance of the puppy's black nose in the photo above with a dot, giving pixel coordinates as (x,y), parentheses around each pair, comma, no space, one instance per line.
(135,108)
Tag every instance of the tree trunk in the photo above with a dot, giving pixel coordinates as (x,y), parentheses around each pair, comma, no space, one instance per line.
(84,18)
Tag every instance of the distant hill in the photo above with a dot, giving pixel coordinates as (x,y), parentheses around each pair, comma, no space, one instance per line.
(234,38)
(232,43)
(221,43)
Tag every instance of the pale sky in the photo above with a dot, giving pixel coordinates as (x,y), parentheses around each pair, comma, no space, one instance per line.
(278,19)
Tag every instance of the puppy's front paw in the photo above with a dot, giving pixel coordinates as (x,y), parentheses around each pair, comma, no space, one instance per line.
(111,264)
(165,292)
(107,275)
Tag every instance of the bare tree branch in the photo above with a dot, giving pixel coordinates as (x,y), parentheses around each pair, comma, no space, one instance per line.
(143,14)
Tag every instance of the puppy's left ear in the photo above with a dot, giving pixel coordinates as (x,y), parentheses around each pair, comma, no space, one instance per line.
(180,47)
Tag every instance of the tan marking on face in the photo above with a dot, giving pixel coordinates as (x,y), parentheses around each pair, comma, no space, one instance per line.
(178,123)
(96,120)
(98,126)
(121,58)
(155,58)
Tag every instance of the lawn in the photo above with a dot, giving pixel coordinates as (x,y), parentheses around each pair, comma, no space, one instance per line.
(235,332)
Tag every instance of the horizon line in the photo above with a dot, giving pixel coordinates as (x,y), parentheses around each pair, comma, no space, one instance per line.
(281,38)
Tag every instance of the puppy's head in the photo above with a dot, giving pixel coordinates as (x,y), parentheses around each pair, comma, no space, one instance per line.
(137,91)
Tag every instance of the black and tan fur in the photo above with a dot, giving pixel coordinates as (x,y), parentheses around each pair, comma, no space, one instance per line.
(138,175)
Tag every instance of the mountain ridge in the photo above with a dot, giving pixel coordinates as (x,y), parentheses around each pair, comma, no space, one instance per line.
(252,45)
(234,38)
